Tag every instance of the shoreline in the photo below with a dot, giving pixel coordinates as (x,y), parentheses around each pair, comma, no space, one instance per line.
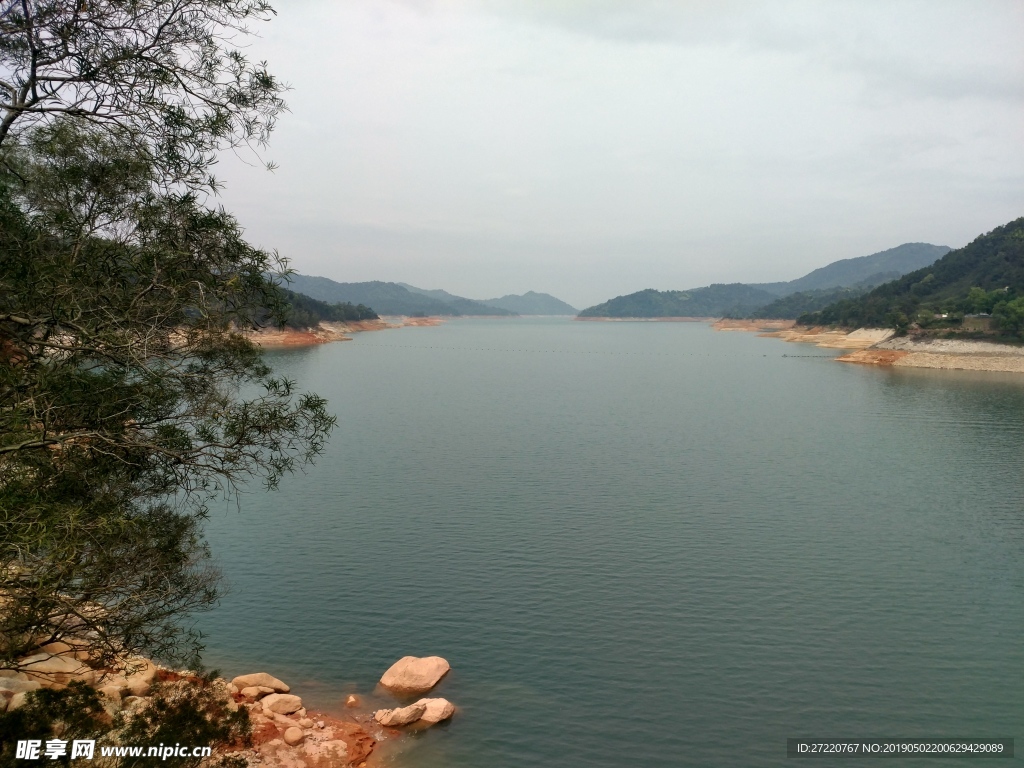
(328,332)
(880,346)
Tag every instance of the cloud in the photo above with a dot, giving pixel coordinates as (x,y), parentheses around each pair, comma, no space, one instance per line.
(950,50)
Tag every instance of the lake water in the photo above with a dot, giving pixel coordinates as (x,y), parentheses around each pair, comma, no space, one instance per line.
(643,544)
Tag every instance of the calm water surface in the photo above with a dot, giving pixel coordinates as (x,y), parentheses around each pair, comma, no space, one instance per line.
(643,544)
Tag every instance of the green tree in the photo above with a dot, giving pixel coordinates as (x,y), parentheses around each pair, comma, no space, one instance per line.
(163,75)
(122,301)
(1009,316)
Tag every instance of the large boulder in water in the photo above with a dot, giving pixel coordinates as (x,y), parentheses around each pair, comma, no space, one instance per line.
(400,716)
(260,679)
(411,674)
(436,710)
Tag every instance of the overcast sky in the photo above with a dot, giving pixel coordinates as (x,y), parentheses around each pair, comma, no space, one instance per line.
(592,149)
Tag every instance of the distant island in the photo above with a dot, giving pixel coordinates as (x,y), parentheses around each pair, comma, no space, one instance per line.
(845,278)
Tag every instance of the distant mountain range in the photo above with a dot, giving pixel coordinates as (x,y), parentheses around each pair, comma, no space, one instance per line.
(404,299)
(839,280)
(529,303)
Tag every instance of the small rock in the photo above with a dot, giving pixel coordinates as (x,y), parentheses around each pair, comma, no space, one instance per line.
(257,679)
(436,710)
(294,736)
(415,675)
(401,715)
(352,700)
(252,692)
(231,688)
(17,700)
(306,723)
(282,703)
(319,723)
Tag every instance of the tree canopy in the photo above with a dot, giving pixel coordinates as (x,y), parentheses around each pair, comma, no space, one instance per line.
(129,394)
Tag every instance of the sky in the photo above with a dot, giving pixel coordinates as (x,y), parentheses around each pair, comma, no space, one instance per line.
(593,149)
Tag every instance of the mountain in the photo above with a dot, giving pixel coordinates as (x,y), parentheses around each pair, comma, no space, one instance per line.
(874,269)
(307,312)
(712,301)
(385,298)
(841,279)
(460,304)
(391,298)
(532,303)
(987,275)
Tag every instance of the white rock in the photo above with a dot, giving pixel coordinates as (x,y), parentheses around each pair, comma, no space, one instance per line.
(257,679)
(415,675)
(401,715)
(436,710)
(282,703)
(294,736)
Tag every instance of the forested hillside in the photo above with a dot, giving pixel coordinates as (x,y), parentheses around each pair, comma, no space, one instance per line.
(712,301)
(306,312)
(872,270)
(986,276)
(846,278)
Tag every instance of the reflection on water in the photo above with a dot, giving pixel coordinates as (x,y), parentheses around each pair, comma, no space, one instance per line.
(644,543)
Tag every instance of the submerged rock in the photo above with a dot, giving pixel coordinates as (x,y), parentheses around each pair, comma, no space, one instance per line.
(415,675)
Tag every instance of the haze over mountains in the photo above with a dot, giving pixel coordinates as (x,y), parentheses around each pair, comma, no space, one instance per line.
(404,299)
(840,279)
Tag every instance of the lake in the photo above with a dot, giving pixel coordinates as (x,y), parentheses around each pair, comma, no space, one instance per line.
(645,544)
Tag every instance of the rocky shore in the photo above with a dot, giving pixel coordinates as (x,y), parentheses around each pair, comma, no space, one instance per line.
(284,733)
(947,354)
(879,346)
